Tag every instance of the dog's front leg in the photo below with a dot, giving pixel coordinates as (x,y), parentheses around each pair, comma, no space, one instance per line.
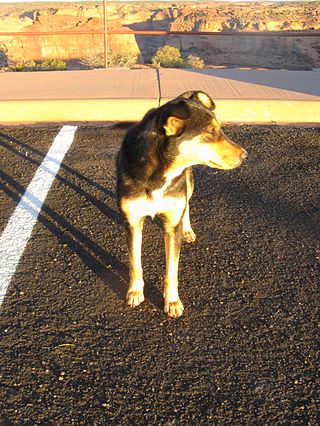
(172,304)
(135,292)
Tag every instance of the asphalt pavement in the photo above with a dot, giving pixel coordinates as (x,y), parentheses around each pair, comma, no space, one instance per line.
(245,351)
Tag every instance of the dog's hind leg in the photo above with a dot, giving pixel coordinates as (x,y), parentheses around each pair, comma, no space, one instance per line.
(135,292)
(188,235)
(172,304)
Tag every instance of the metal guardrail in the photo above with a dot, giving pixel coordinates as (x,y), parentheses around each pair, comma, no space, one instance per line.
(185,33)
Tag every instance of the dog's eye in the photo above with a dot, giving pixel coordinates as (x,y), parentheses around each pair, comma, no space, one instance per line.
(211,135)
(211,130)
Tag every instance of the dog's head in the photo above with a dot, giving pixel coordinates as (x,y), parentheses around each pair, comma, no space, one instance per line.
(190,123)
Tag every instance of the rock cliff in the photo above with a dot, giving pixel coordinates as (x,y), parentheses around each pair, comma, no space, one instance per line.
(273,52)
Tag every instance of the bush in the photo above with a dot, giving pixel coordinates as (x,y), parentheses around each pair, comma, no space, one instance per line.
(167,57)
(23,66)
(53,64)
(93,61)
(46,65)
(195,62)
(125,60)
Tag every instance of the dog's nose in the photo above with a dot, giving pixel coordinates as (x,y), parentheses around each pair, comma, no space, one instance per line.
(244,155)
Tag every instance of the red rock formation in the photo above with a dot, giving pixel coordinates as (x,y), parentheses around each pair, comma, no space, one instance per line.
(243,51)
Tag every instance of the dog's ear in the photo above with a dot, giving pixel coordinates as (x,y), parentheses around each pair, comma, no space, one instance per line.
(176,115)
(202,97)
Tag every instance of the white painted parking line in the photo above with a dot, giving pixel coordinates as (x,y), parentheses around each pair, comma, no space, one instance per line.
(19,228)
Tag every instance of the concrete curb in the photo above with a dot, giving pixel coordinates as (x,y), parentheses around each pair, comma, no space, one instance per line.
(126,95)
(17,112)
(268,111)
(73,110)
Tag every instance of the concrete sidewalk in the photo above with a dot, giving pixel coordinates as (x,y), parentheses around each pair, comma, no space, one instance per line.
(241,96)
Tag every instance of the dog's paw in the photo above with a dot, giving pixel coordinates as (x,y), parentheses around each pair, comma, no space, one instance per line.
(189,236)
(173,309)
(134,298)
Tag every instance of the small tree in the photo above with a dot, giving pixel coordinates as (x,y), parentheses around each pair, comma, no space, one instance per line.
(167,57)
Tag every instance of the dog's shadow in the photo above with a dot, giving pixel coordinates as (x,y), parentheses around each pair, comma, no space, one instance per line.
(112,272)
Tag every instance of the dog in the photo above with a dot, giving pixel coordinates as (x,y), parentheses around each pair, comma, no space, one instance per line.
(154,177)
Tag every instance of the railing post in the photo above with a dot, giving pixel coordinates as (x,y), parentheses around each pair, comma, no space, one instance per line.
(105,34)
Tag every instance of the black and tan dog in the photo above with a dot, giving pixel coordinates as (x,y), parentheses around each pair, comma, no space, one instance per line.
(154,177)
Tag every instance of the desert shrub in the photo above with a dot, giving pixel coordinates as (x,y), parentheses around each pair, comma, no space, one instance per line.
(167,57)
(53,64)
(46,65)
(195,62)
(23,66)
(125,60)
(93,61)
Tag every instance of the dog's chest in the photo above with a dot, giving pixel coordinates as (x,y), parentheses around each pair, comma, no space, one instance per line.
(156,203)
